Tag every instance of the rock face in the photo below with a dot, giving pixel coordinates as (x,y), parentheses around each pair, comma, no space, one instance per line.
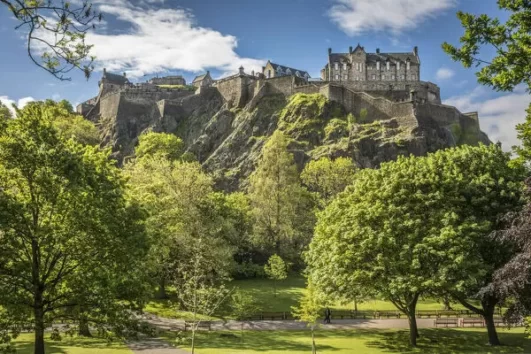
(227,126)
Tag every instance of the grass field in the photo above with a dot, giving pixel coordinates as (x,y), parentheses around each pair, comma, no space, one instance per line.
(361,342)
(76,345)
(288,294)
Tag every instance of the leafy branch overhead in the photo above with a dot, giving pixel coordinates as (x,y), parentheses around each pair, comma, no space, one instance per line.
(56,33)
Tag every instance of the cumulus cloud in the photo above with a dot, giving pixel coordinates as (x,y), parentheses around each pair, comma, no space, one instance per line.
(20,103)
(159,39)
(444,74)
(498,116)
(358,16)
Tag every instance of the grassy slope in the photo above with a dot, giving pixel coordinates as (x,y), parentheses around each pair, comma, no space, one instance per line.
(288,293)
(24,345)
(361,342)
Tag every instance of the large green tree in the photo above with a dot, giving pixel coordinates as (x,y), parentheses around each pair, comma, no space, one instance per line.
(71,241)
(55,33)
(415,226)
(282,208)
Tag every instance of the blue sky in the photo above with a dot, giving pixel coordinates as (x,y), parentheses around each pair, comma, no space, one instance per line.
(156,37)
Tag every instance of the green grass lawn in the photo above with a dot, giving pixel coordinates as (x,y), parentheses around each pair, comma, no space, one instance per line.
(71,345)
(361,342)
(288,294)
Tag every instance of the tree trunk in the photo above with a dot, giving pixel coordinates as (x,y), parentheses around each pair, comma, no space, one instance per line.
(446,304)
(161,291)
(413,330)
(193,339)
(355,305)
(489,305)
(39,327)
(314,349)
(84,330)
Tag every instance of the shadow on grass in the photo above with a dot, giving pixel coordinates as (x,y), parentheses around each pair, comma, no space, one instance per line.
(447,341)
(257,341)
(25,345)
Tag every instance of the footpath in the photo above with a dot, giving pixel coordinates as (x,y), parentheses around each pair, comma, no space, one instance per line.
(157,346)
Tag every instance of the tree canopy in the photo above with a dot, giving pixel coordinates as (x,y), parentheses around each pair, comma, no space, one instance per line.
(413,226)
(71,241)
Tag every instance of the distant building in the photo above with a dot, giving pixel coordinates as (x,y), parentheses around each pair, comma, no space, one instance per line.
(358,65)
(272,70)
(168,80)
(204,80)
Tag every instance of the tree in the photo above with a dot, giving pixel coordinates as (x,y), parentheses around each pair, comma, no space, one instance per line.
(244,306)
(276,270)
(328,177)
(153,144)
(309,310)
(415,226)
(56,32)
(68,123)
(70,238)
(201,285)
(281,209)
(509,43)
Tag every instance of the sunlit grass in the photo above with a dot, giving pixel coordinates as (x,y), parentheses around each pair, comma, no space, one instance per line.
(71,345)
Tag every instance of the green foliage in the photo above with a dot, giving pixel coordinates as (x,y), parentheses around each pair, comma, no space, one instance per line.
(179,87)
(336,128)
(71,240)
(282,210)
(166,145)
(244,305)
(310,306)
(56,33)
(328,178)
(276,269)
(414,225)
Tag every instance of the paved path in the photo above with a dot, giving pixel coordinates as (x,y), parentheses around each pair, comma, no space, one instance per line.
(172,324)
(153,346)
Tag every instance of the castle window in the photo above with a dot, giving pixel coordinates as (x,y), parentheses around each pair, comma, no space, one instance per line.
(388,65)
(345,77)
(377,65)
(397,65)
(344,66)
(336,66)
(268,74)
(384,78)
(337,77)
(374,77)
(408,65)
(392,77)
(361,67)
(402,77)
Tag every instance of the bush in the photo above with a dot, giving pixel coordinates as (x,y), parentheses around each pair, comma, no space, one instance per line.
(248,270)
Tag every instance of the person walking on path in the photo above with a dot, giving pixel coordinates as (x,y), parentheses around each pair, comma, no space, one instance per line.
(328,314)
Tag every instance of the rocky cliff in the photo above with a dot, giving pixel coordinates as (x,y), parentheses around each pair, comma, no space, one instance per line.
(228,140)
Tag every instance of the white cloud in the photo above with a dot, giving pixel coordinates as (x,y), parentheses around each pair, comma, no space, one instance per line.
(160,39)
(20,103)
(444,74)
(358,16)
(498,116)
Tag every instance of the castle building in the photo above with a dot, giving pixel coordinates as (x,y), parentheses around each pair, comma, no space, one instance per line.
(204,80)
(272,70)
(358,65)
(168,80)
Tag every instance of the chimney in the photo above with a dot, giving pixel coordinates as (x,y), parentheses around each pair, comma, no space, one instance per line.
(252,73)
(329,51)
(350,49)
(241,70)
(377,50)
(416,51)
(104,71)
(125,75)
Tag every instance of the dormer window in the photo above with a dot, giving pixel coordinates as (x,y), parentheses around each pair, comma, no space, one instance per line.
(306,76)
(288,72)
(297,74)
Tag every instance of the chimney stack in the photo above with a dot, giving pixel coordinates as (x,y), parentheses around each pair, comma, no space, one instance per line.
(416,51)
(377,50)
(241,70)
(350,49)
(329,51)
